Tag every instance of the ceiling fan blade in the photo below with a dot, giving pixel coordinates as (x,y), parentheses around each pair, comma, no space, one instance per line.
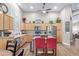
(43,5)
(49,9)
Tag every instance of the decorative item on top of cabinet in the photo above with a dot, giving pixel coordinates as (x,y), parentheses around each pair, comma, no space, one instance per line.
(33,21)
(58,20)
(24,20)
(50,22)
(42,21)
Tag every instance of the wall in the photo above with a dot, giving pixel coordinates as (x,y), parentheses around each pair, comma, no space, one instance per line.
(65,15)
(75,20)
(45,17)
(16,13)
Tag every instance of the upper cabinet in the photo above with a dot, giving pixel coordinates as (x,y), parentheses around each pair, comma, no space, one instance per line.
(1,21)
(31,26)
(43,26)
(6,22)
(23,26)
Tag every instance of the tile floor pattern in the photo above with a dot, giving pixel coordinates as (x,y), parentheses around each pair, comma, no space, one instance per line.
(62,50)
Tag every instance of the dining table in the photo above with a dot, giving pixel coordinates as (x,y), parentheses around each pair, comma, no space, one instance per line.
(5,53)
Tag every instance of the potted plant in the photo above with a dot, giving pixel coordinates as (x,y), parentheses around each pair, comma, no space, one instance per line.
(33,21)
(58,20)
(42,21)
(50,22)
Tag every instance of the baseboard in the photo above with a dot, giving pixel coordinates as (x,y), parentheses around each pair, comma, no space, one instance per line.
(66,44)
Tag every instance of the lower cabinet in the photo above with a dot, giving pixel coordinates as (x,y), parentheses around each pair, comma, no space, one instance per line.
(3,42)
(0,43)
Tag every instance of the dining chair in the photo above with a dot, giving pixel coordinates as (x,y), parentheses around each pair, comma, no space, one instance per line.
(11,46)
(40,44)
(51,44)
(20,52)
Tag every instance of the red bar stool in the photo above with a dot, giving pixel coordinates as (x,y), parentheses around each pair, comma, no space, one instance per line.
(40,44)
(52,44)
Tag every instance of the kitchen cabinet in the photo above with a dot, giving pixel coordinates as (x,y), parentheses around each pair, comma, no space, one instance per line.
(43,26)
(59,32)
(27,26)
(6,22)
(3,42)
(1,21)
(0,43)
(23,26)
(30,26)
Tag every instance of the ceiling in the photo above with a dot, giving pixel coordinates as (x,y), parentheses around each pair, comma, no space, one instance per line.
(33,7)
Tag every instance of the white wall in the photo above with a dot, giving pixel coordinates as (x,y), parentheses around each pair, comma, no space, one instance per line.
(75,20)
(16,13)
(65,16)
(45,17)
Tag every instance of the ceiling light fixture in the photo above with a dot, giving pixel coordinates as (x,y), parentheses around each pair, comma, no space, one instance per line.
(78,5)
(31,7)
(19,4)
(55,7)
(43,11)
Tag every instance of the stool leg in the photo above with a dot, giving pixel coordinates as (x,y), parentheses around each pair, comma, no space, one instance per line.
(36,51)
(55,52)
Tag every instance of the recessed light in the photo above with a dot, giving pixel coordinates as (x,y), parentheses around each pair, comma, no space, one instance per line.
(31,7)
(44,11)
(78,5)
(19,4)
(55,7)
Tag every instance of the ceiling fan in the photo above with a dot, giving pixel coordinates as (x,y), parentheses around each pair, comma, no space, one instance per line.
(45,10)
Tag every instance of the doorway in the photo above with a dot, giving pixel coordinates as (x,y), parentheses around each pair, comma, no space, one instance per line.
(75,31)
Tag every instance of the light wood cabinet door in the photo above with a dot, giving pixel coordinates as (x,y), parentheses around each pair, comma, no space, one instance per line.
(43,26)
(1,21)
(0,43)
(32,26)
(6,22)
(23,26)
(59,32)
(27,26)
(4,42)
(10,23)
